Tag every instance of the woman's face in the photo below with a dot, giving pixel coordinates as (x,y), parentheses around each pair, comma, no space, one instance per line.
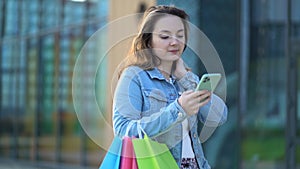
(168,38)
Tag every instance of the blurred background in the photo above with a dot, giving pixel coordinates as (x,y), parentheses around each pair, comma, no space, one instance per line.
(258,42)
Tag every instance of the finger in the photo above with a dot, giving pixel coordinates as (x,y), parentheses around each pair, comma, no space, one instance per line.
(204,101)
(202,98)
(179,61)
(201,94)
(195,94)
(188,92)
(208,94)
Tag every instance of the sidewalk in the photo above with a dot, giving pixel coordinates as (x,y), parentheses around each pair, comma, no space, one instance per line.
(16,164)
(10,164)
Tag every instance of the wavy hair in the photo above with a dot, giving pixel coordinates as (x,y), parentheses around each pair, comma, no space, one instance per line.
(140,53)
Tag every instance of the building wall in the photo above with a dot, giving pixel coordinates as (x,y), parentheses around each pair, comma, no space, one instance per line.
(123,21)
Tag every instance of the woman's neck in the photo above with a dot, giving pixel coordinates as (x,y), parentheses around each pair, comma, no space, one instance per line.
(165,70)
(165,74)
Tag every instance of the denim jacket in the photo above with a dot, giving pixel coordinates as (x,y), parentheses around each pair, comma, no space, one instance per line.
(145,98)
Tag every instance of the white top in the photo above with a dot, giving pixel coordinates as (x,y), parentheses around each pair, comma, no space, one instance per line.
(187,150)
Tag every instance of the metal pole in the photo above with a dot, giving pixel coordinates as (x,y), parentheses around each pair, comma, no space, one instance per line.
(244,54)
(84,137)
(40,85)
(1,37)
(16,74)
(57,96)
(291,94)
(243,68)
(3,22)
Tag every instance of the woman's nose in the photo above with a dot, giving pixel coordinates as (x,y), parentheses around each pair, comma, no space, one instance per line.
(174,41)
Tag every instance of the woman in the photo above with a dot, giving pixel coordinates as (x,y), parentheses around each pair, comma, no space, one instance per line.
(156,92)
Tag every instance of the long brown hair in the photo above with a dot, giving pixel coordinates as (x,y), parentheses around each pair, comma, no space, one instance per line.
(140,53)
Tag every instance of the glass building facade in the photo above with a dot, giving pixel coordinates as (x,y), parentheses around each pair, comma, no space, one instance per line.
(257,41)
(40,41)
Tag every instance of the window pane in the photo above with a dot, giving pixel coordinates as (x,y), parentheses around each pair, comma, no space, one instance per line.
(37,59)
(264,121)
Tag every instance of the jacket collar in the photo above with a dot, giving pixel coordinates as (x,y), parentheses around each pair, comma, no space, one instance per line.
(155,74)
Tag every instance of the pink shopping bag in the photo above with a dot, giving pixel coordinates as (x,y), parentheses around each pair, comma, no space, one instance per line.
(128,159)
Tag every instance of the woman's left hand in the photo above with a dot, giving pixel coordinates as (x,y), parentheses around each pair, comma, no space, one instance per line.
(180,69)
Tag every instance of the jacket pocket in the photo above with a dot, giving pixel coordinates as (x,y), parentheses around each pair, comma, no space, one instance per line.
(155,99)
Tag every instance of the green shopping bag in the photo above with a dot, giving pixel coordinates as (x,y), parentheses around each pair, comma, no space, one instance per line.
(153,155)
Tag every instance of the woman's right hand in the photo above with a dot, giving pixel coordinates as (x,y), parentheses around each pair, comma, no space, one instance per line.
(191,101)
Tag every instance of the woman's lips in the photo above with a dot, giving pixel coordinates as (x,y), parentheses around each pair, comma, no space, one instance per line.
(174,51)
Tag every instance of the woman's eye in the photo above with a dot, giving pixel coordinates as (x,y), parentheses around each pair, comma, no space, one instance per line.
(164,36)
(180,36)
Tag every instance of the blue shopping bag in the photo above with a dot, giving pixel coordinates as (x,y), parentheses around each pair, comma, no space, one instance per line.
(113,155)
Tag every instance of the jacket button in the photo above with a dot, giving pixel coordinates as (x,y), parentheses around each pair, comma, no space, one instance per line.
(180,114)
(195,135)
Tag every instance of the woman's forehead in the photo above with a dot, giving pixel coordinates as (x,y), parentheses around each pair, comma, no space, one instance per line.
(169,23)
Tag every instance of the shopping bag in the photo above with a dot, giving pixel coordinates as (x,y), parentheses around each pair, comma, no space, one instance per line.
(113,155)
(128,160)
(153,155)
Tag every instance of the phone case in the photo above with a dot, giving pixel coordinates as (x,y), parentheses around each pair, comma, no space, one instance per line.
(209,81)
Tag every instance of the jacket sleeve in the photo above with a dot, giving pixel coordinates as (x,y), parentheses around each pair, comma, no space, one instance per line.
(213,113)
(127,110)
(188,82)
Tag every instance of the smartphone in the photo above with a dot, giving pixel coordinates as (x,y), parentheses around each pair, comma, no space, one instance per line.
(209,81)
